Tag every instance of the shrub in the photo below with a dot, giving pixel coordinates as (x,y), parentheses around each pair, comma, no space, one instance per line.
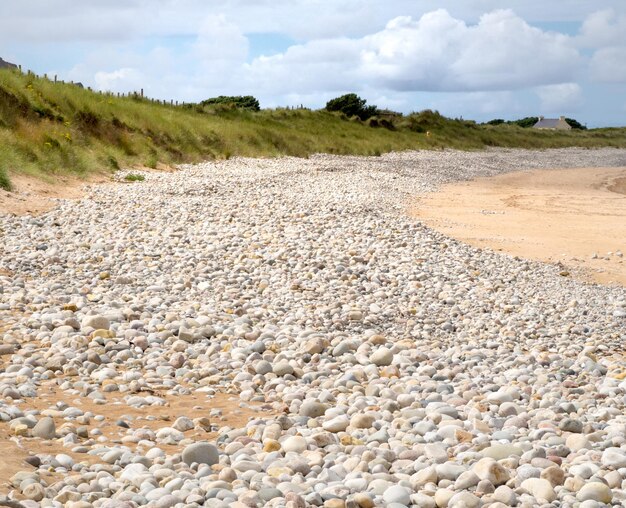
(352,105)
(5,183)
(575,124)
(527,122)
(241,101)
(134,177)
(495,121)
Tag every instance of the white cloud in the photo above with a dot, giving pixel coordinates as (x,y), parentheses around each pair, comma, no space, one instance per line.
(603,28)
(435,53)
(119,80)
(608,65)
(560,98)
(68,20)
(220,40)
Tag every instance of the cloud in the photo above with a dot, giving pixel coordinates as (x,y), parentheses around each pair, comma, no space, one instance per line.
(605,31)
(603,28)
(435,53)
(119,80)
(608,65)
(560,98)
(219,40)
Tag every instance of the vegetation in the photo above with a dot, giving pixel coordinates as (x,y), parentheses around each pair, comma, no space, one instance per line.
(575,124)
(530,121)
(51,128)
(134,177)
(352,105)
(243,102)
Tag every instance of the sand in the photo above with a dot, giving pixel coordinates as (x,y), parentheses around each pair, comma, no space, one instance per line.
(194,405)
(575,217)
(34,196)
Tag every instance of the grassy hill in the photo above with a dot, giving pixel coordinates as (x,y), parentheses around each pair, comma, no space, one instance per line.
(49,128)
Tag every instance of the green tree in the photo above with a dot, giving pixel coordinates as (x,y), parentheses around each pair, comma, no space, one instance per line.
(575,124)
(527,122)
(352,105)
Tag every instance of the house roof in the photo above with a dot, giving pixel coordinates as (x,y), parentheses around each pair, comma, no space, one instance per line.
(6,65)
(548,123)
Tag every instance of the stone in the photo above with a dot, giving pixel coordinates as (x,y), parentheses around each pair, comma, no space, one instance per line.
(397,494)
(540,489)
(362,421)
(488,469)
(382,357)
(614,458)
(464,500)
(554,474)
(337,424)
(296,444)
(312,409)
(501,451)
(505,495)
(363,500)
(200,453)
(34,491)
(96,322)
(595,491)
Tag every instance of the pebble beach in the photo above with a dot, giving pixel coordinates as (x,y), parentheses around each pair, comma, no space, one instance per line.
(282,333)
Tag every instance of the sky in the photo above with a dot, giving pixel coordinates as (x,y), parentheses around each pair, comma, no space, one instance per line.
(475,59)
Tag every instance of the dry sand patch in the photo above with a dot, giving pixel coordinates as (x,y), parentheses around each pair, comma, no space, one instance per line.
(194,405)
(571,216)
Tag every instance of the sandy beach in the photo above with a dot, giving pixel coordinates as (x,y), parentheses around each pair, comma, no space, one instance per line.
(576,217)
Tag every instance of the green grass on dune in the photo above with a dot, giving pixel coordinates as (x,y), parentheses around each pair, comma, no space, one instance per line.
(49,128)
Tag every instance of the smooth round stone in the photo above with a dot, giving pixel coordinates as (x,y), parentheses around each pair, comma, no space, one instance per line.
(200,453)
(382,357)
(312,409)
(34,491)
(451,471)
(554,474)
(540,489)
(167,501)
(464,500)
(44,428)
(614,458)
(295,444)
(488,469)
(268,493)
(397,494)
(502,451)
(363,500)
(362,421)
(571,425)
(577,442)
(505,495)
(96,322)
(263,367)
(282,368)
(337,424)
(595,491)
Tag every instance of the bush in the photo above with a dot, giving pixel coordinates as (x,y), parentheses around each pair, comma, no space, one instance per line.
(527,122)
(495,121)
(134,177)
(5,183)
(242,102)
(575,124)
(352,105)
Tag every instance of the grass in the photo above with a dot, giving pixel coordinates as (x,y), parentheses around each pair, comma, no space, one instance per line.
(134,177)
(48,128)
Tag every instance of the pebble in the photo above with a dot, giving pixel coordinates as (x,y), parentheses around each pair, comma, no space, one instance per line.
(371,361)
(201,453)
(595,491)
